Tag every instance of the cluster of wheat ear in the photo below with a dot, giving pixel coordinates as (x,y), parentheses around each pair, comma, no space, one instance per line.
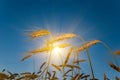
(69,68)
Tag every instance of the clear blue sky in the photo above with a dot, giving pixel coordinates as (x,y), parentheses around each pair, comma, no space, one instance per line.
(93,19)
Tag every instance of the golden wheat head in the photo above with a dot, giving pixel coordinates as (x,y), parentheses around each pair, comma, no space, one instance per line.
(87,45)
(39,33)
(62,37)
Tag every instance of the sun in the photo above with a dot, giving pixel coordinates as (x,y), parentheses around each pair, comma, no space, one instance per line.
(56,50)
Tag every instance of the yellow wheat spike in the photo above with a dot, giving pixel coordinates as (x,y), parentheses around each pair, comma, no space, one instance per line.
(62,37)
(39,50)
(39,33)
(35,52)
(44,49)
(87,45)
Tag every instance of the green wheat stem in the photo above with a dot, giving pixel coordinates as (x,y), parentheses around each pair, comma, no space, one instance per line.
(88,55)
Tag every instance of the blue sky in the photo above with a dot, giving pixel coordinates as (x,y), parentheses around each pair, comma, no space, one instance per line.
(93,19)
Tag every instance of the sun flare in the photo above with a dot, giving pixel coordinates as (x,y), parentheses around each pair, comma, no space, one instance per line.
(56,50)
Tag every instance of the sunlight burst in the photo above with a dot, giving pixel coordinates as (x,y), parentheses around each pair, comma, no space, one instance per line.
(56,50)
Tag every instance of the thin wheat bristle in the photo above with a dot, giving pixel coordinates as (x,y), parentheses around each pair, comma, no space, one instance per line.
(39,33)
(87,45)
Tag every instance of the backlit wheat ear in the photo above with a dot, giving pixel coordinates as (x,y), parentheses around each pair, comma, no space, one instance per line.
(39,33)
(87,45)
(62,37)
(39,50)
(3,76)
(35,52)
(117,52)
(63,45)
